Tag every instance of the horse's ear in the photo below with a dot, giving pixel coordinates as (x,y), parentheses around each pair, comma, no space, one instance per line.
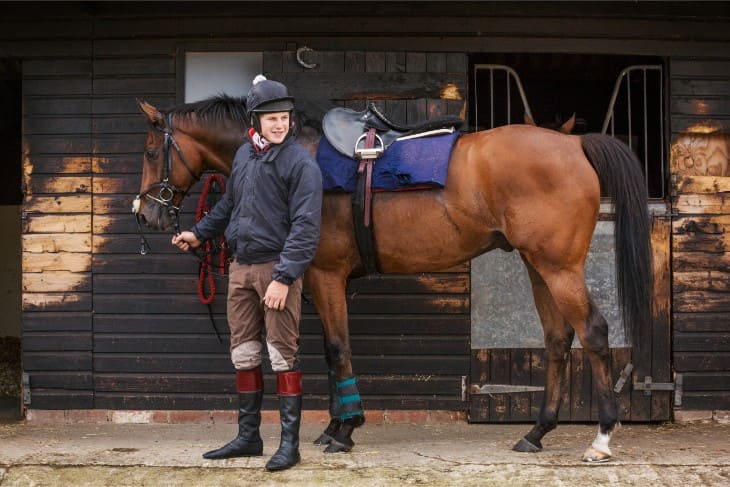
(529,120)
(154,116)
(567,127)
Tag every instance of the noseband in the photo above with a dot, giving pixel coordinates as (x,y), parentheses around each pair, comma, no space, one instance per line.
(166,191)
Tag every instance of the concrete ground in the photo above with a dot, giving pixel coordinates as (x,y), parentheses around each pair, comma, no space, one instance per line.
(452,453)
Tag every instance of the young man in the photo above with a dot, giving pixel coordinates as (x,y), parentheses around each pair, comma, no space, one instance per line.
(270,216)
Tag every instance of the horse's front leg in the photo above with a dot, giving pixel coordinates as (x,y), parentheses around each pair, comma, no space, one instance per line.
(346,412)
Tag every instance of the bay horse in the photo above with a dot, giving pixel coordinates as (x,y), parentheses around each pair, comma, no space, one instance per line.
(515,187)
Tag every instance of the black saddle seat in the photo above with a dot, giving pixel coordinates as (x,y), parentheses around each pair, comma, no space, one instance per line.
(344,126)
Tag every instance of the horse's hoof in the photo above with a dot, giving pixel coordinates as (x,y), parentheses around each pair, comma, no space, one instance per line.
(525,446)
(593,455)
(337,447)
(324,439)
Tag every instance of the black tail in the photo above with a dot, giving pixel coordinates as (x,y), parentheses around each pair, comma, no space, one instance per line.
(620,175)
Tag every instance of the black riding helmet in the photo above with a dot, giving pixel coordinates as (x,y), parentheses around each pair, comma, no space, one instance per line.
(267,96)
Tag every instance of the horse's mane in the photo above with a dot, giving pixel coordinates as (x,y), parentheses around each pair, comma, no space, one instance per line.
(217,108)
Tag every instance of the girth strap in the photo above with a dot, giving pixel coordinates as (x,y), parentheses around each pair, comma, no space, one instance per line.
(362,208)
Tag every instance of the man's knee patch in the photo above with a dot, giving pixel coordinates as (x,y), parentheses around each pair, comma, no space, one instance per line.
(247,355)
(278,362)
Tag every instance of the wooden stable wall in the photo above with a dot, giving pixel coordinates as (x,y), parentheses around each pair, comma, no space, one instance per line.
(104,327)
(58,162)
(700,169)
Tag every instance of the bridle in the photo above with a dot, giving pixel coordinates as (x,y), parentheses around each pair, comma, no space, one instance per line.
(166,192)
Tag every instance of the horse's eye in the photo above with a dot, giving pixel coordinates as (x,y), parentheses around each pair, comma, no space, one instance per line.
(150,154)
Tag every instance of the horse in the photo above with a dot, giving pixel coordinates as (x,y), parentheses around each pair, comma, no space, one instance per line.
(516,187)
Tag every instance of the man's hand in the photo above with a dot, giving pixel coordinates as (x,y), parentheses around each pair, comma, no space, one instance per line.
(275,297)
(186,241)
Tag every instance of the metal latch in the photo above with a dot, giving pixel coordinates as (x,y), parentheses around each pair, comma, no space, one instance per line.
(25,379)
(649,385)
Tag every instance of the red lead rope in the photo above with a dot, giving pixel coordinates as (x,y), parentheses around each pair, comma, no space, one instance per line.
(210,247)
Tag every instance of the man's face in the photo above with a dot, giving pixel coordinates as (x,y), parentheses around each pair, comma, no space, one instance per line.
(274,126)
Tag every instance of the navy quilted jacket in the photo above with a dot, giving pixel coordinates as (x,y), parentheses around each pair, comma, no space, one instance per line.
(271,210)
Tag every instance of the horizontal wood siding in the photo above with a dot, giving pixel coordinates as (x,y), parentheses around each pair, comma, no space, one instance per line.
(410,334)
(701,246)
(56,226)
(148,345)
(701,289)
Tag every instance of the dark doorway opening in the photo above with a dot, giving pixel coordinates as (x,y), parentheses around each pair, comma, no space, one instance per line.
(557,86)
(10,132)
(11,197)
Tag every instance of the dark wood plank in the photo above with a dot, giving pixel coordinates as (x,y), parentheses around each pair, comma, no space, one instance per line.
(33,341)
(706,400)
(56,321)
(499,366)
(354,63)
(56,361)
(415,62)
(270,402)
(580,386)
(382,284)
(312,384)
(480,405)
(61,399)
(57,302)
(706,381)
(661,404)
(355,84)
(520,363)
(62,380)
(619,358)
(208,343)
(537,378)
(701,342)
(219,363)
(375,62)
(701,302)
(449,325)
(395,62)
(701,361)
(359,304)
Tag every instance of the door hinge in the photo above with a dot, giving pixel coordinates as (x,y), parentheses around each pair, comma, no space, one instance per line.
(648,385)
(25,379)
(476,389)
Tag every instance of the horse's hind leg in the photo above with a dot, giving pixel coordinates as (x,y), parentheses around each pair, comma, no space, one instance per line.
(558,339)
(346,414)
(570,294)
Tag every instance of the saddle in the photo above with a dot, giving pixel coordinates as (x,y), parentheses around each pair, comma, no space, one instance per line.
(345,129)
(365,136)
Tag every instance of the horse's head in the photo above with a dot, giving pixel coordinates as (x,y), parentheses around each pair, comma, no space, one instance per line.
(181,144)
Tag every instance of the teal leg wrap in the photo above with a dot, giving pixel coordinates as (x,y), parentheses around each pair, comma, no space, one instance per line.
(335,408)
(348,399)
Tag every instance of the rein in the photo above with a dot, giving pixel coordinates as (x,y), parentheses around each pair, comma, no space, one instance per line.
(211,247)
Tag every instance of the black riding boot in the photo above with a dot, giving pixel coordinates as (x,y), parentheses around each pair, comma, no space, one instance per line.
(248,443)
(290,412)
